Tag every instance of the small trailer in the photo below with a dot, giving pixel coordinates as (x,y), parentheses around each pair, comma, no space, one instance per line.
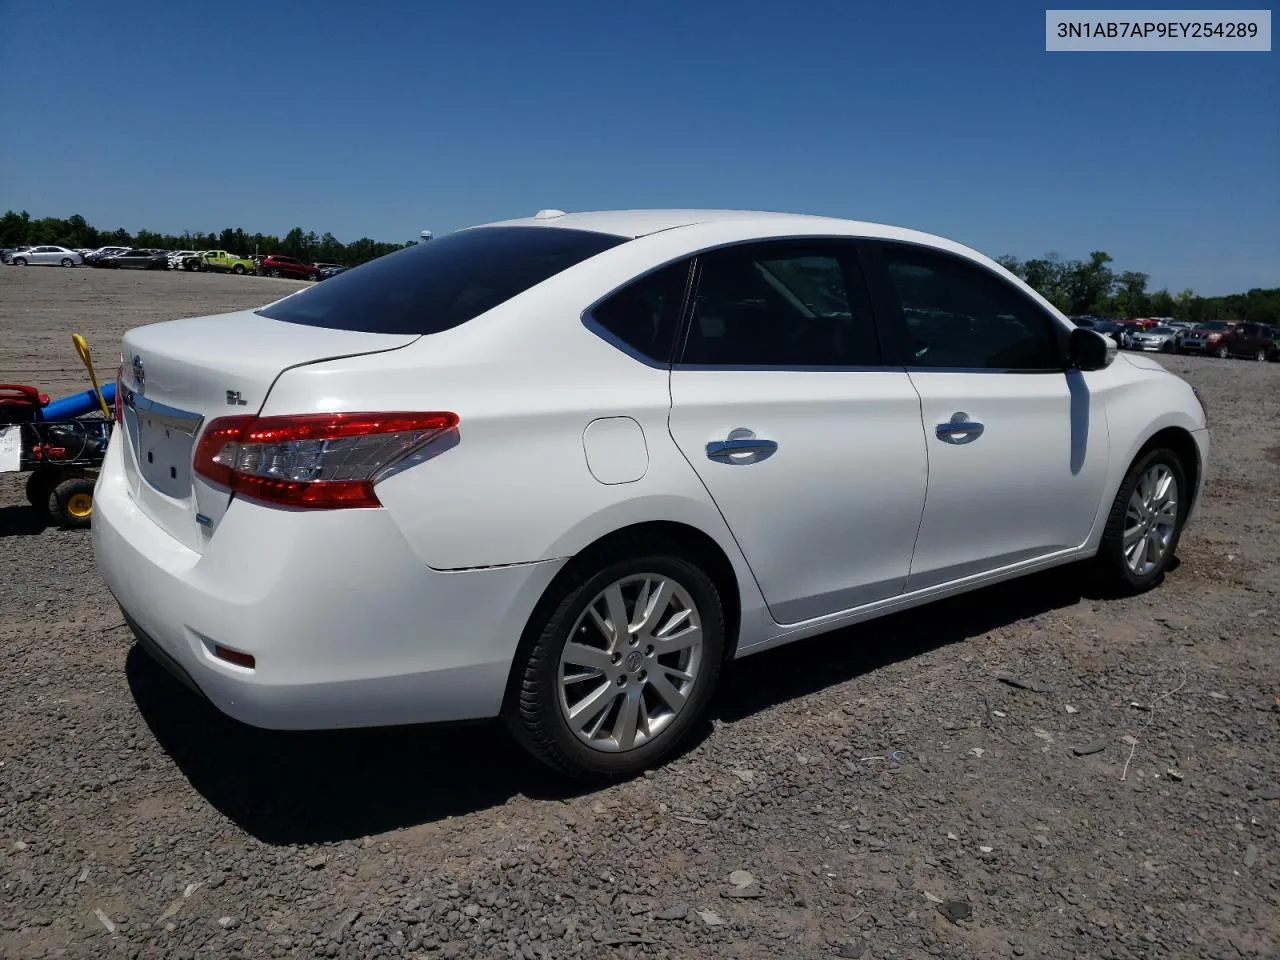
(57,444)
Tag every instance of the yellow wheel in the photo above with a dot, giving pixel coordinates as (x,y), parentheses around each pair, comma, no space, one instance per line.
(71,503)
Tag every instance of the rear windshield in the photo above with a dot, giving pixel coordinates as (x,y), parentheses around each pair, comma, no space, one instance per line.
(442,283)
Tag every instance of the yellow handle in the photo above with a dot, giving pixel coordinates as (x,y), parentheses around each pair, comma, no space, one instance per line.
(82,348)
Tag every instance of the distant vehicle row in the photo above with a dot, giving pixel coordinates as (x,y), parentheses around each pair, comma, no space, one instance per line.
(146,258)
(1215,338)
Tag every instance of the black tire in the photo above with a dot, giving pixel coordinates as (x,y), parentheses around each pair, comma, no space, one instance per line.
(66,503)
(1111,571)
(1260,356)
(273,272)
(1223,352)
(40,484)
(68,262)
(19,261)
(238,270)
(533,712)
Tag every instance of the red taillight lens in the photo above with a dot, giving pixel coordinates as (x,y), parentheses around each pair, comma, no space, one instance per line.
(322,460)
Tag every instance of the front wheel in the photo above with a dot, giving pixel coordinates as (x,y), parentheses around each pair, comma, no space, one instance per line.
(238,270)
(1223,353)
(623,666)
(19,261)
(1145,523)
(1260,356)
(68,262)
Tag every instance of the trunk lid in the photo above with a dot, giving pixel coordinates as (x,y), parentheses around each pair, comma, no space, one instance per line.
(180,375)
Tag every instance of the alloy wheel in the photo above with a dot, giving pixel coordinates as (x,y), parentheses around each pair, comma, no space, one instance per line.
(630,663)
(1150,519)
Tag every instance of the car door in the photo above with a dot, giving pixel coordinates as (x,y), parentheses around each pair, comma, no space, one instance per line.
(1246,340)
(810,446)
(1017,442)
(42,255)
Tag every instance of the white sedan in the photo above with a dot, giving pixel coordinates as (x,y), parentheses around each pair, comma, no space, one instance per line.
(46,255)
(562,469)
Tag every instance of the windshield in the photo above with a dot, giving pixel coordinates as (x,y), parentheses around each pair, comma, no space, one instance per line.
(442,283)
(1213,325)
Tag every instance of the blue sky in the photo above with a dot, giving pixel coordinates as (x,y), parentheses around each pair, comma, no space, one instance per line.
(381,119)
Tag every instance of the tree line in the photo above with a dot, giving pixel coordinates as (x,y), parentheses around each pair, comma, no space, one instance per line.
(18,228)
(1092,287)
(1074,286)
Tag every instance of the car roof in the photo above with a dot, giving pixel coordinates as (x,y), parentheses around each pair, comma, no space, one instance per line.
(639,223)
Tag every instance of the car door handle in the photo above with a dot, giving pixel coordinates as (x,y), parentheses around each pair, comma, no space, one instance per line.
(959,429)
(718,449)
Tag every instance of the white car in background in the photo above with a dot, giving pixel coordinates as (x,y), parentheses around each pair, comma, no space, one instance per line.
(561,469)
(1161,339)
(176,258)
(47,256)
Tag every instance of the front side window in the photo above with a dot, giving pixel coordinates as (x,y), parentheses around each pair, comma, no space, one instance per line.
(958,315)
(430,287)
(781,304)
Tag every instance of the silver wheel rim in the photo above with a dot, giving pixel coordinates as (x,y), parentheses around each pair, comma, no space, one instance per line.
(1150,519)
(630,663)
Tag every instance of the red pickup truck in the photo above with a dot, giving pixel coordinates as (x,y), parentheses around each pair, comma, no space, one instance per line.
(279,266)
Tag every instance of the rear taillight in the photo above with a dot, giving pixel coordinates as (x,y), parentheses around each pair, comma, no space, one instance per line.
(322,460)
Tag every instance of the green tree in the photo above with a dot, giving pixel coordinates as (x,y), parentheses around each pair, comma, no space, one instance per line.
(1161,304)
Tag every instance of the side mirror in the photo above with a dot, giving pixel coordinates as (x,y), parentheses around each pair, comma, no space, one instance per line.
(1090,350)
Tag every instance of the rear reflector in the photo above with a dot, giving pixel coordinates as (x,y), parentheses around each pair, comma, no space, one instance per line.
(234,656)
(319,461)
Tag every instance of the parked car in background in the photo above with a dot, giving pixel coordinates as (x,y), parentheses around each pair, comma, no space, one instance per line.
(220,261)
(1207,338)
(139,259)
(1127,328)
(177,256)
(46,256)
(663,493)
(1108,328)
(276,265)
(1254,341)
(328,270)
(1157,339)
(97,256)
(7,254)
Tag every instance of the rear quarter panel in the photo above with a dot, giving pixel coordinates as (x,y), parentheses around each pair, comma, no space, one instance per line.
(525,380)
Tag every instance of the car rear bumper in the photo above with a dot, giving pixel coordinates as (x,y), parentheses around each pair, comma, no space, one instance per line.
(346,625)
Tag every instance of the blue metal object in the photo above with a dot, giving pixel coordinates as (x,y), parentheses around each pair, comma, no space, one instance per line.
(78,404)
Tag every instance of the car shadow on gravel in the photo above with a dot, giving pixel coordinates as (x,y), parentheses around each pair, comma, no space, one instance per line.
(21,521)
(758,682)
(314,787)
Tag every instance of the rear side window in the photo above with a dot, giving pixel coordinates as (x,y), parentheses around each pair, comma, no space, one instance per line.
(443,283)
(781,304)
(644,315)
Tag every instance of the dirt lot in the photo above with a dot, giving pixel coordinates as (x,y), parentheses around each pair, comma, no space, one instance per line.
(858,779)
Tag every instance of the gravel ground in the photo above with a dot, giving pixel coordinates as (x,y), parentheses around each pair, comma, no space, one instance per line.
(844,787)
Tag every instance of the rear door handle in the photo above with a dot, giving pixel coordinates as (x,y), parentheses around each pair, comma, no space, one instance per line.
(720,449)
(959,429)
